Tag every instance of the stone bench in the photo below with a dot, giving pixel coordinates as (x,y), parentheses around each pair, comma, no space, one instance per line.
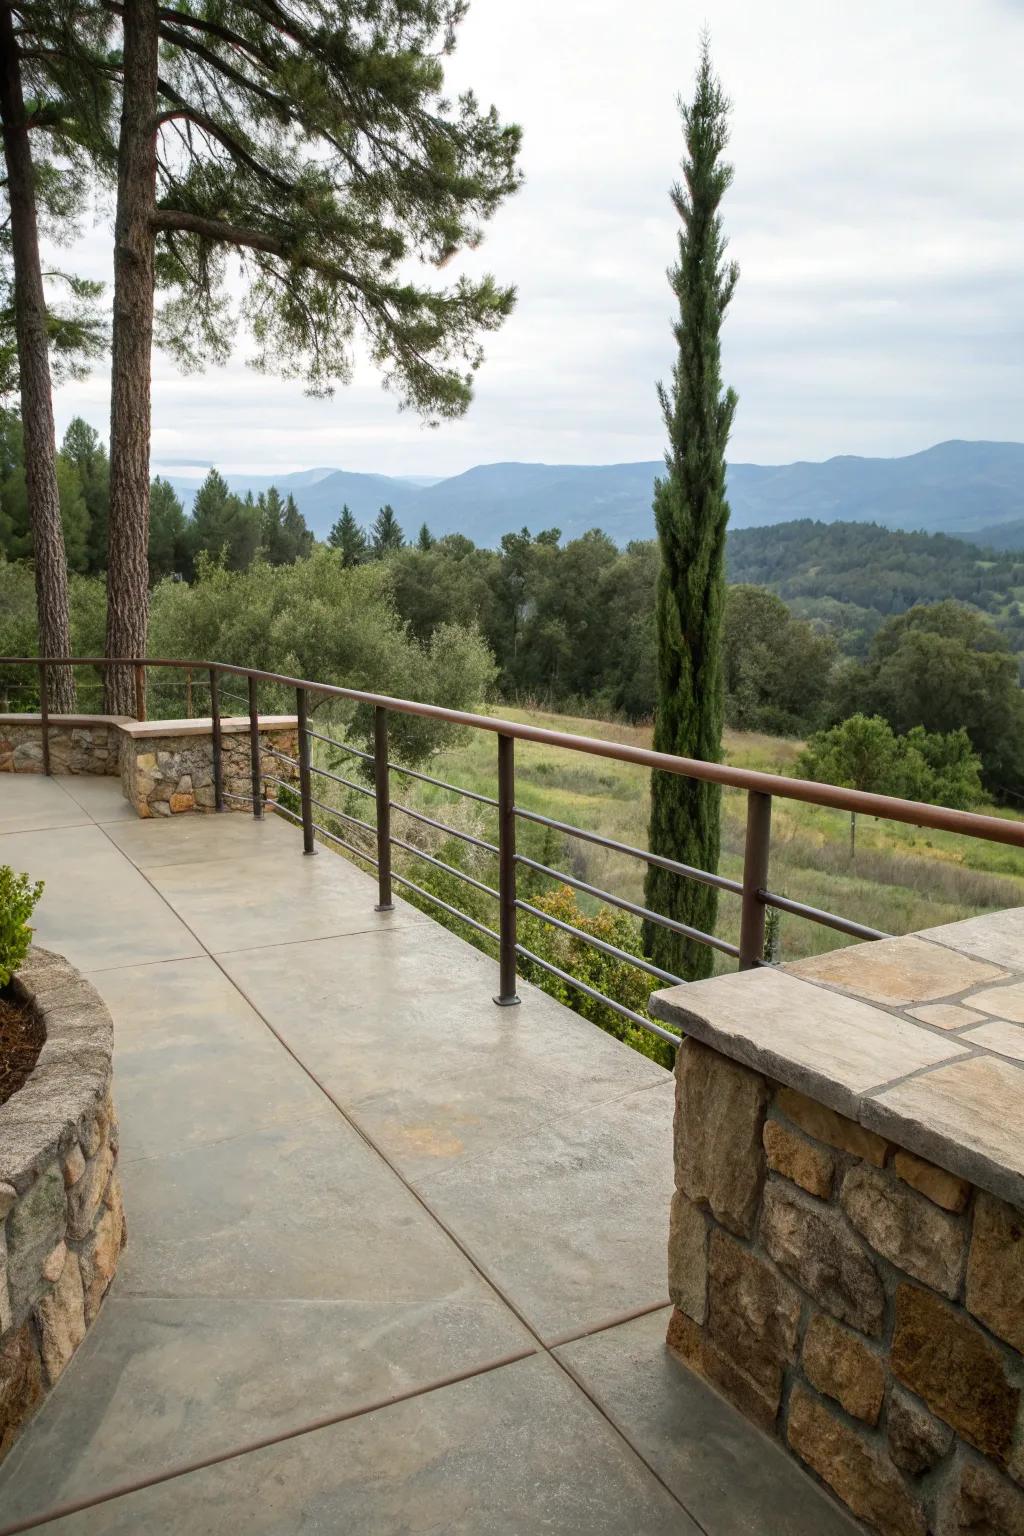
(165,766)
(846,1252)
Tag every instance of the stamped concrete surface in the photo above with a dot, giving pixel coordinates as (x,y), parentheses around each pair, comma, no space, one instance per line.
(349,1179)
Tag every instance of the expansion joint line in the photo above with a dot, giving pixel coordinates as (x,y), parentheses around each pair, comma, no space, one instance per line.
(540,1346)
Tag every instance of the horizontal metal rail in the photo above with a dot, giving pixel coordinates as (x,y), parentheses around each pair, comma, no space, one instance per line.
(720,882)
(326,773)
(448,869)
(428,821)
(599,997)
(332,810)
(761,788)
(683,929)
(937,818)
(265,747)
(601,944)
(343,746)
(455,789)
(819,915)
(463,917)
(331,836)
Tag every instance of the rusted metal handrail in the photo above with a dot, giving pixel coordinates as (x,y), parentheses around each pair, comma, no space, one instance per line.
(753,890)
(936,818)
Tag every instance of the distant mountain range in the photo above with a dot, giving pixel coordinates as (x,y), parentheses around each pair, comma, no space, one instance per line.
(973,490)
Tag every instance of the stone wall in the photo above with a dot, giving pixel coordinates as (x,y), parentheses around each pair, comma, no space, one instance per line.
(61,1215)
(75,747)
(163,775)
(861,1304)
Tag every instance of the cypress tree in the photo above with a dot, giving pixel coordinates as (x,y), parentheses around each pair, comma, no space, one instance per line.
(691,513)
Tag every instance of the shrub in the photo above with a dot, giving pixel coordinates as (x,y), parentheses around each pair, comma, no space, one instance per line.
(18,897)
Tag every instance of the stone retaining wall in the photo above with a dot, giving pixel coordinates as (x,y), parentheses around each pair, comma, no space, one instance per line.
(863,1305)
(74,747)
(163,775)
(61,1215)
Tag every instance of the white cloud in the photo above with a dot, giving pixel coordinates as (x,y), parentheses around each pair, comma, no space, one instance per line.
(877,215)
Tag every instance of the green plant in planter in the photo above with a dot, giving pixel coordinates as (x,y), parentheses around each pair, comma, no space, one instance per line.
(18,897)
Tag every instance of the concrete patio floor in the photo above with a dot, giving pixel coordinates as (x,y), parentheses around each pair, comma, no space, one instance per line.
(348,1179)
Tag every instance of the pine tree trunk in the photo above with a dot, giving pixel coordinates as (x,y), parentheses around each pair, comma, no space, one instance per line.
(51,571)
(128,532)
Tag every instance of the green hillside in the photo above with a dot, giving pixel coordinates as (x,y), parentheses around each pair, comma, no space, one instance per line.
(856,574)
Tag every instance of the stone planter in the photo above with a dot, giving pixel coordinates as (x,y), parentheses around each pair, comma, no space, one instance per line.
(61,1216)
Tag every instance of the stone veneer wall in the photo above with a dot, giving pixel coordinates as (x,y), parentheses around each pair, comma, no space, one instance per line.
(61,1214)
(164,775)
(74,748)
(863,1305)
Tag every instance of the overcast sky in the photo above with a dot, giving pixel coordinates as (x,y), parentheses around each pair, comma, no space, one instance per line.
(877,215)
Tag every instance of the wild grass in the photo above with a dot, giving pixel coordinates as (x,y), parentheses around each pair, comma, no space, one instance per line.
(899,880)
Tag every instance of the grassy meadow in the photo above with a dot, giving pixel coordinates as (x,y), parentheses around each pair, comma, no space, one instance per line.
(900,879)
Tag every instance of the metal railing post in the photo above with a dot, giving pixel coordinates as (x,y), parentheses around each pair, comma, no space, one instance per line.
(382,789)
(218,765)
(44,714)
(507,996)
(305,778)
(755,878)
(140,691)
(254,751)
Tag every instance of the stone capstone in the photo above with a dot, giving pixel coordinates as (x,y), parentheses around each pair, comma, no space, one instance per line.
(61,1319)
(826,1125)
(995,1269)
(688,1257)
(840,1365)
(813,1245)
(794,1157)
(917,1441)
(856,1470)
(753,1312)
(961,1375)
(720,1108)
(943,1188)
(905,1228)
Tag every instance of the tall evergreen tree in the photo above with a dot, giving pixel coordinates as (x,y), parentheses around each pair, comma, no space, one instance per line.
(691,514)
(425,541)
(82,446)
(386,534)
(348,539)
(169,553)
(41,89)
(313,144)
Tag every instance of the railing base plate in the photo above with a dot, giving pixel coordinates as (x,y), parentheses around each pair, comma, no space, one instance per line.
(388,906)
(508,1002)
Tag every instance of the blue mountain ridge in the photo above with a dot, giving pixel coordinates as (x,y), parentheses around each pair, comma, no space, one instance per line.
(971,489)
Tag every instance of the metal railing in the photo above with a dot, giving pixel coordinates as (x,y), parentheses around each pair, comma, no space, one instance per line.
(752,889)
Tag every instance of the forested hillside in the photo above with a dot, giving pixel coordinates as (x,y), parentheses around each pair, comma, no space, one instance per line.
(854,575)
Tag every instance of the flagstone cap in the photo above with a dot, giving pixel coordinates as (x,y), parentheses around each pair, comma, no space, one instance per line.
(918,1038)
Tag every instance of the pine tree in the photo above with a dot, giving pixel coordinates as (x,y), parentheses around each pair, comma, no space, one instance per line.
(386,534)
(691,514)
(315,147)
(69,103)
(425,541)
(348,539)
